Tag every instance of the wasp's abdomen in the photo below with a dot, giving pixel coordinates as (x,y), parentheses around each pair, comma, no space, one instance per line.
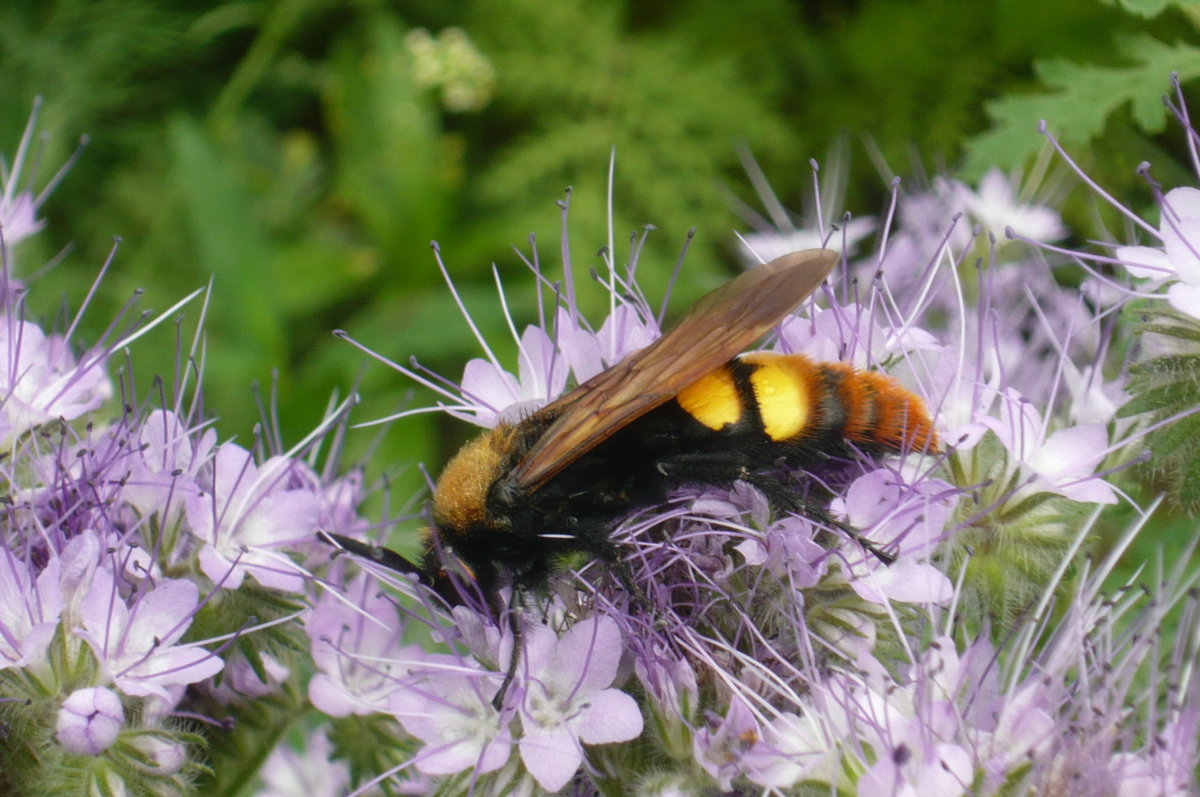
(795,400)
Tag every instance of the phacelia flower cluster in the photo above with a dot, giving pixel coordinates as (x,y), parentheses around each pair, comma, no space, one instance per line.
(138,558)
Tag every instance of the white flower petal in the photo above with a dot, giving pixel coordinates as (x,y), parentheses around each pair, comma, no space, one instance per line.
(611,716)
(1071,453)
(1144,262)
(907,581)
(1185,298)
(1180,230)
(551,757)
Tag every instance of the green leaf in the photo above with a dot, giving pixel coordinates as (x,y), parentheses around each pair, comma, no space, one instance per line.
(370,744)
(391,168)
(1147,9)
(1170,364)
(1175,440)
(1188,491)
(237,756)
(1081,100)
(1167,387)
(1174,330)
(230,244)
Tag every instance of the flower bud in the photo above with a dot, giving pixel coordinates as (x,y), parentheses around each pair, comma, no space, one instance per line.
(89,721)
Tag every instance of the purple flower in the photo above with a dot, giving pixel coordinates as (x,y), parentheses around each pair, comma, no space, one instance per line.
(310,771)
(449,709)
(158,755)
(907,520)
(626,329)
(40,380)
(241,680)
(1178,262)
(29,611)
(1011,727)
(761,247)
(720,746)
(18,207)
(853,334)
(579,347)
(774,651)
(567,701)
(1094,400)
(135,644)
(996,207)
(162,465)
(670,681)
(89,721)
(358,648)
(791,748)
(1168,768)
(246,515)
(1064,461)
(961,701)
(494,394)
(789,552)
(18,218)
(932,769)
(339,504)
(491,394)
(673,696)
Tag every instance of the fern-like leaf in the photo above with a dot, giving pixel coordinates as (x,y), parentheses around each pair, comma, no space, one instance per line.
(1148,9)
(1082,99)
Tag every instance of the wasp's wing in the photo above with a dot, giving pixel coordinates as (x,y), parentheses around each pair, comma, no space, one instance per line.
(714,329)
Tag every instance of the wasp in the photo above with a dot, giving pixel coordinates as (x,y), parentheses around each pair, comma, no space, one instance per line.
(520,501)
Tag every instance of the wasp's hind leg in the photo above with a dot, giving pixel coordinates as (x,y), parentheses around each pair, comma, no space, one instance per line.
(514,658)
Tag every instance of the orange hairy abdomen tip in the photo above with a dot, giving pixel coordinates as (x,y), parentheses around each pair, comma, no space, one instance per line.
(882,412)
(799,399)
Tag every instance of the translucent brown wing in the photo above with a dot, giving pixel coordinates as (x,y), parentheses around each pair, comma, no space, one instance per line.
(717,327)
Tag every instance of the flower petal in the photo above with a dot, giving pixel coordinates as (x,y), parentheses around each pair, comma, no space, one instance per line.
(611,716)
(1180,229)
(158,618)
(1185,298)
(907,581)
(586,657)
(1145,262)
(1071,452)
(551,757)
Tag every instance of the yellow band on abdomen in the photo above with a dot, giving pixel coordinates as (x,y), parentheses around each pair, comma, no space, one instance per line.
(783,385)
(713,400)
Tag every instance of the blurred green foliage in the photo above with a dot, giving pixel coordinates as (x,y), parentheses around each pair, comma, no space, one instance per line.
(303,154)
